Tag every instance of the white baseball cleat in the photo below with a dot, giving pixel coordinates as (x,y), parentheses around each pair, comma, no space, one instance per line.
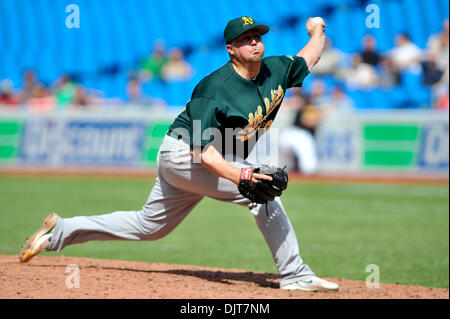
(39,240)
(311,283)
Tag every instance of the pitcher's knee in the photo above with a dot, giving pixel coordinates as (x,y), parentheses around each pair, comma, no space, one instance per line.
(152,234)
(151,227)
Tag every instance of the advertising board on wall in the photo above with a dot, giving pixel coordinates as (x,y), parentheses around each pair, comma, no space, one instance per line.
(364,142)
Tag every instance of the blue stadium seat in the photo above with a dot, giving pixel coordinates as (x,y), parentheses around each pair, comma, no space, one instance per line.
(377,99)
(357,22)
(151,23)
(155,89)
(397,97)
(3,30)
(290,45)
(264,11)
(93,47)
(222,11)
(9,67)
(210,26)
(120,86)
(126,31)
(443,9)
(217,58)
(329,81)
(344,23)
(415,30)
(385,100)
(306,85)
(418,95)
(114,28)
(393,21)
(430,12)
(170,22)
(200,65)
(9,70)
(359,97)
(192,28)
(29,35)
(304,11)
(179,93)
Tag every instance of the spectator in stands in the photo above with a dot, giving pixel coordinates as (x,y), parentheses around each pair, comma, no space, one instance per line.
(318,97)
(432,74)
(405,55)
(136,97)
(298,151)
(134,91)
(86,98)
(151,68)
(176,67)
(369,53)
(361,75)
(28,86)
(80,100)
(437,63)
(297,142)
(438,45)
(388,75)
(330,61)
(339,102)
(7,98)
(435,77)
(41,101)
(65,91)
(442,102)
(296,100)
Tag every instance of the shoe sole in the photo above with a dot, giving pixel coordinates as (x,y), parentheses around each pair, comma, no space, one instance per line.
(309,289)
(30,249)
(298,288)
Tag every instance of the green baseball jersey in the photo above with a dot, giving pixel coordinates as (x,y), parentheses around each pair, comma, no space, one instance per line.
(225,103)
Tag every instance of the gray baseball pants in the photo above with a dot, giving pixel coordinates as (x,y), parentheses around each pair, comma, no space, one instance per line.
(179,187)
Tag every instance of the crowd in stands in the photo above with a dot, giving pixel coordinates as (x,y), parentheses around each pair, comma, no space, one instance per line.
(66,92)
(367,69)
(166,68)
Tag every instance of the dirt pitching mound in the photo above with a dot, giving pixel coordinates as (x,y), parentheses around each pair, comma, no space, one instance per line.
(55,277)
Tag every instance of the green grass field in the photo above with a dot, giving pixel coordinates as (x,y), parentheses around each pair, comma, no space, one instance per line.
(341,228)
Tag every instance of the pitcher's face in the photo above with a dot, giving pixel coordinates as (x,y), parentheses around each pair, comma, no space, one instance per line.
(248,47)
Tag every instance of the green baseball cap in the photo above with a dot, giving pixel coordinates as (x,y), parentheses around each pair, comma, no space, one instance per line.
(238,26)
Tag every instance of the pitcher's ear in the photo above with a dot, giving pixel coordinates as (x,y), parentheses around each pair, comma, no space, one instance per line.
(230,51)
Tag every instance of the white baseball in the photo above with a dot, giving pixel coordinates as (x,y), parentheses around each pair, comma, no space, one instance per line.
(312,22)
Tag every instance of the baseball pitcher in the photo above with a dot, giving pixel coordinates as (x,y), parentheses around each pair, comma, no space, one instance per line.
(204,154)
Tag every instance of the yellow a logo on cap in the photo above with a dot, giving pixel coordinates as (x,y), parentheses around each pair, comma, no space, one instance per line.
(247,20)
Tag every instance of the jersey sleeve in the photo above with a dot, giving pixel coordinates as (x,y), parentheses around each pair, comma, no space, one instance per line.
(297,70)
(206,119)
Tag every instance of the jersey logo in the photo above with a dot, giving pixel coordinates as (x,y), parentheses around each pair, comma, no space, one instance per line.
(257,120)
(247,20)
